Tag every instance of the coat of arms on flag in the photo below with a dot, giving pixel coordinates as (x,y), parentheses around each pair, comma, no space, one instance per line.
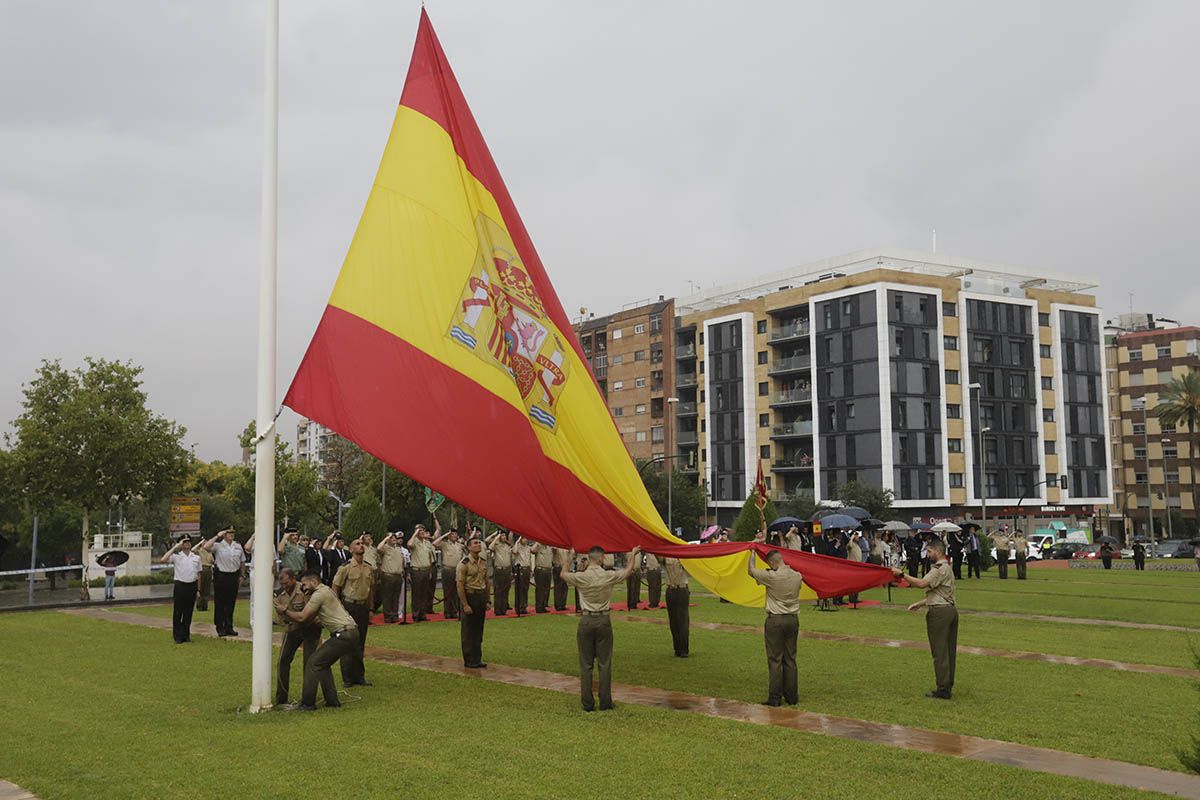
(501,319)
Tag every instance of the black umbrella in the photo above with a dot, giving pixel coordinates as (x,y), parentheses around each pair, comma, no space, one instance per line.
(873,523)
(921,526)
(1105,540)
(118,557)
(970,526)
(1142,539)
(783,523)
(850,511)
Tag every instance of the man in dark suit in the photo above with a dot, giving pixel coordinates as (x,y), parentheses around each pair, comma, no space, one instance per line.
(836,546)
(956,542)
(336,555)
(314,557)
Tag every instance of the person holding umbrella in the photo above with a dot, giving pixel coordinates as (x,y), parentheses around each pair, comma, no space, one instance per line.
(110,564)
(1139,555)
(187,587)
(971,548)
(1106,551)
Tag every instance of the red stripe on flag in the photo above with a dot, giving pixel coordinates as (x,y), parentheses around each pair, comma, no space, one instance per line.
(439,427)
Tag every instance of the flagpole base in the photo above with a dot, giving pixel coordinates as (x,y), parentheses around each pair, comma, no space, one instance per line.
(261,709)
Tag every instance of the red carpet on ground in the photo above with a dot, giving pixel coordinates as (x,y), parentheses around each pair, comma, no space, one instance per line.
(439,617)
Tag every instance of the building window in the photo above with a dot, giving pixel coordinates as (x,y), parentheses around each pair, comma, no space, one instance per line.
(1140,478)
(1044,351)
(1166,428)
(764,420)
(764,388)
(1047,415)
(847,307)
(655,322)
(761,326)
(618,411)
(1047,383)
(640,408)
(639,383)
(1016,385)
(618,386)
(639,355)
(1139,429)
(1164,351)
(899,342)
(954,445)
(618,359)
(615,333)
(656,434)
(1044,320)
(950,342)
(639,328)
(956,480)
(949,309)
(640,436)
(656,354)
(952,376)
(1049,444)
(953,411)
(849,410)
(1171,477)
(1170,451)
(1135,354)
(764,451)
(762,356)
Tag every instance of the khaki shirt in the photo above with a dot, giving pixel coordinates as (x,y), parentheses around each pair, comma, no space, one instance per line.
(559,556)
(1021,545)
(355,580)
(371,555)
(330,613)
(792,541)
(941,585)
(420,553)
(521,556)
(1001,542)
(610,561)
(294,600)
(452,553)
(783,588)
(206,557)
(501,554)
(651,562)
(471,572)
(637,565)
(595,587)
(544,557)
(677,576)
(391,559)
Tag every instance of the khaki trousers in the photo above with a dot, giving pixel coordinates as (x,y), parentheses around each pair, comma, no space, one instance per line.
(595,640)
(780,632)
(941,624)
(317,670)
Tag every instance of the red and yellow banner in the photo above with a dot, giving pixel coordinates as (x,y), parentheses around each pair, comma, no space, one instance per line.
(445,352)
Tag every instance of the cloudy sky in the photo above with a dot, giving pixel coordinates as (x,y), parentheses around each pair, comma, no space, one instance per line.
(646,144)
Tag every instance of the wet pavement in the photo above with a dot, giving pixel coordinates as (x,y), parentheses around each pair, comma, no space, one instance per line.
(872,641)
(1037,759)
(10,791)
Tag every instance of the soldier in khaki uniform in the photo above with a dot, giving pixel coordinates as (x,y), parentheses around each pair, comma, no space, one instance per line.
(1002,544)
(594,637)
(1021,546)
(342,642)
(474,592)
(522,556)
(371,556)
(941,618)
(391,576)
(421,559)
(206,569)
(653,573)
(354,584)
(306,636)
(502,569)
(792,540)
(560,565)
(633,583)
(451,549)
(678,598)
(543,564)
(782,626)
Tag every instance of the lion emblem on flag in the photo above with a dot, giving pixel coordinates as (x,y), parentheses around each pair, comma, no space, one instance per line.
(501,319)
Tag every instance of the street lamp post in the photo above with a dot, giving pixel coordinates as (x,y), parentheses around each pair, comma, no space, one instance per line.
(983,478)
(977,388)
(1146,458)
(1167,490)
(671,401)
(340,506)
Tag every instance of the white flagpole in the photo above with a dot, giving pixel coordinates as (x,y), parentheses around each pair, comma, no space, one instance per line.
(264,478)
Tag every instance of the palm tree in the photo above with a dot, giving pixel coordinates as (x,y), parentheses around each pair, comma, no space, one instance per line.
(1179,404)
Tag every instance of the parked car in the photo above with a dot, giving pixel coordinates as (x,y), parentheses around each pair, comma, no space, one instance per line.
(1035,550)
(1092,551)
(1066,550)
(1173,548)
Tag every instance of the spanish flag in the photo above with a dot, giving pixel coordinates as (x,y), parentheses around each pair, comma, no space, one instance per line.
(445,352)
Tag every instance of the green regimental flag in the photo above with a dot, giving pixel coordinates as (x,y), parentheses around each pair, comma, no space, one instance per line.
(433,500)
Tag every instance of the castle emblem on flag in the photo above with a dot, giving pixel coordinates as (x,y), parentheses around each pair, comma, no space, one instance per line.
(501,319)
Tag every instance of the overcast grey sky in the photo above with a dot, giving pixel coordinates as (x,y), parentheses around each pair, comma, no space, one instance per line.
(645,144)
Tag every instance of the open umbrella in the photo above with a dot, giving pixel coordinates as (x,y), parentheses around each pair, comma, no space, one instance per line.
(873,523)
(118,558)
(971,526)
(920,526)
(1142,539)
(783,523)
(945,527)
(896,525)
(709,531)
(1105,540)
(839,521)
(850,511)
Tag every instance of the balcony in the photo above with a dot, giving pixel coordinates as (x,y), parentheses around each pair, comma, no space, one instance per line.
(600,372)
(790,430)
(791,397)
(788,332)
(795,463)
(685,379)
(685,409)
(688,439)
(797,363)
(688,469)
(685,351)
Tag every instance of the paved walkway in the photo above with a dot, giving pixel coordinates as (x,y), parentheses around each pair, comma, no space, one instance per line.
(974,748)
(10,791)
(872,641)
(1112,623)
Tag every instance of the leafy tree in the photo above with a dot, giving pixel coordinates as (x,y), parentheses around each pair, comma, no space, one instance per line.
(687,498)
(1179,405)
(749,521)
(802,506)
(875,501)
(299,498)
(86,436)
(364,514)
(209,478)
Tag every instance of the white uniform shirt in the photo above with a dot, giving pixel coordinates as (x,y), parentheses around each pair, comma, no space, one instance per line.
(187,566)
(228,557)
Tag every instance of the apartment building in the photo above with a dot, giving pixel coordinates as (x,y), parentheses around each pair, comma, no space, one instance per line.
(632,358)
(311,440)
(1151,469)
(956,384)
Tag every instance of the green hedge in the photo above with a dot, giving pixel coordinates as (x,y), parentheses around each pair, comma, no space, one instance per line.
(155,578)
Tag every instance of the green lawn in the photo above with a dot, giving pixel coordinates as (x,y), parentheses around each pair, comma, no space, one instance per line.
(1045,705)
(95,708)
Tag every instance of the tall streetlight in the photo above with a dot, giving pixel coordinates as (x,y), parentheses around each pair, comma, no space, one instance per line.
(340,506)
(983,477)
(1141,402)
(1167,490)
(977,388)
(671,401)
